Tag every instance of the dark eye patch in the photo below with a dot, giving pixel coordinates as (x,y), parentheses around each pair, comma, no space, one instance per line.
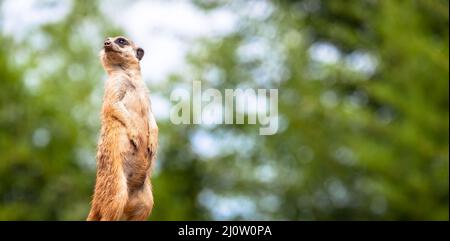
(121,41)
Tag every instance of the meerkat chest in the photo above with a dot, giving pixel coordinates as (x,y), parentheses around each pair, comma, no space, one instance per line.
(136,99)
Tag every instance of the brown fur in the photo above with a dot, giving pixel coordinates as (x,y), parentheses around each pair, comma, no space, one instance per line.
(128,139)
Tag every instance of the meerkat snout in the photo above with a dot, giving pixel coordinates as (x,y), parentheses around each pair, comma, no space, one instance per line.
(107,43)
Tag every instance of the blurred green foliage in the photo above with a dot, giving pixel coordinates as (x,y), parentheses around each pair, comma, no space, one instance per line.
(363,134)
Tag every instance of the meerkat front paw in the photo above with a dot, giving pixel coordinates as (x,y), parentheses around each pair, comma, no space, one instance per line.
(151,147)
(152,140)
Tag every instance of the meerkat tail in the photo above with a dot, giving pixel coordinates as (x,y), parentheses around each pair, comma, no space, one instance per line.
(111,193)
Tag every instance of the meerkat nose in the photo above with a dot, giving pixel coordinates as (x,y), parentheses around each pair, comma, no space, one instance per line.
(107,43)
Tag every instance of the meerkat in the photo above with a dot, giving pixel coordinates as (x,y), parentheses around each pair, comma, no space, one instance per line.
(128,139)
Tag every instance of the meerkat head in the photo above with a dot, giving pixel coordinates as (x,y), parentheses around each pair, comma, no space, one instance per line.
(120,51)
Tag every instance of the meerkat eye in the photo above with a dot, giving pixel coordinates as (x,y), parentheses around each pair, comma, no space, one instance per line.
(122,41)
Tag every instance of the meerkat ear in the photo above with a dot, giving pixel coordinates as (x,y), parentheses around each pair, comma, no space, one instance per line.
(139,53)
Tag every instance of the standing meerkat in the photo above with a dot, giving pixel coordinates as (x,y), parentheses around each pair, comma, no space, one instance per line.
(128,139)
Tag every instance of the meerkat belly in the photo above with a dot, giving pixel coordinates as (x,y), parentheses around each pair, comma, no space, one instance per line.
(137,161)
